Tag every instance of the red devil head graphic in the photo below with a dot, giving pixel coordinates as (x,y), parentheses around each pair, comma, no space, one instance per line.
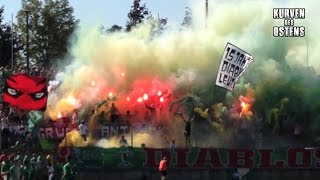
(26,92)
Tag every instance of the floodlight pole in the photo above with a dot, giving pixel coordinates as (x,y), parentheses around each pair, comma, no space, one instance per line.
(27,44)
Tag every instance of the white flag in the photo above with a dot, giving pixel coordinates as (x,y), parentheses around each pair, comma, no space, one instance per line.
(233,63)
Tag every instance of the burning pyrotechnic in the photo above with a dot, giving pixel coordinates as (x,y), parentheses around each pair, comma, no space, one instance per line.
(246,103)
(145,97)
(243,105)
(183,61)
(72,100)
(59,115)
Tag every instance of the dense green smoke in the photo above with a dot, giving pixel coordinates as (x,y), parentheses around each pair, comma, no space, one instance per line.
(283,85)
(285,73)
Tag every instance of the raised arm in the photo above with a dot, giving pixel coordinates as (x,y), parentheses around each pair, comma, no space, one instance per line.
(171,106)
(192,118)
(166,140)
(181,115)
(174,103)
(147,106)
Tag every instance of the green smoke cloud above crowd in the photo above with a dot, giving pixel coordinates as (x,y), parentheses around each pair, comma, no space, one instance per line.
(186,60)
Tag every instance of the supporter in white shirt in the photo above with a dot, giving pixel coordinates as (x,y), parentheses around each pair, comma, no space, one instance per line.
(83,130)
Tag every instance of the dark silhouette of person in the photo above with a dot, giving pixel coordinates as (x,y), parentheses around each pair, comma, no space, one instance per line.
(187,130)
(153,112)
(114,113)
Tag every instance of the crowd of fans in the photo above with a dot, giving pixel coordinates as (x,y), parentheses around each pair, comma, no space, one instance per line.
(16,162)
(26,166)
(10,116)
(18,145)
(21,155)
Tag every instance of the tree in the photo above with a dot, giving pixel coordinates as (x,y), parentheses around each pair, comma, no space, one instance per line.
(51,24)
(114,28)
(6,41)
(102,29)
(187,20)
(162,22)
(137,14)
(158,25)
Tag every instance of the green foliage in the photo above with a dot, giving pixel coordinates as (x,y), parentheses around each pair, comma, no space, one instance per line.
(6,41)
(158,25)
(51,24)
(138,13)
(114,28)
(187,21)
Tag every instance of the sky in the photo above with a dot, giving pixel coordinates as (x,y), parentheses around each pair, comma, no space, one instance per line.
(109,12)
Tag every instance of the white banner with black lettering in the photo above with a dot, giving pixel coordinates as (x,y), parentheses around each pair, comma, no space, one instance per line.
(233,63)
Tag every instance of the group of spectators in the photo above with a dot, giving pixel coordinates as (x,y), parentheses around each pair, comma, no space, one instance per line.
(11,116)
(22,166)
(16,167)
(114,116)
(13,166)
